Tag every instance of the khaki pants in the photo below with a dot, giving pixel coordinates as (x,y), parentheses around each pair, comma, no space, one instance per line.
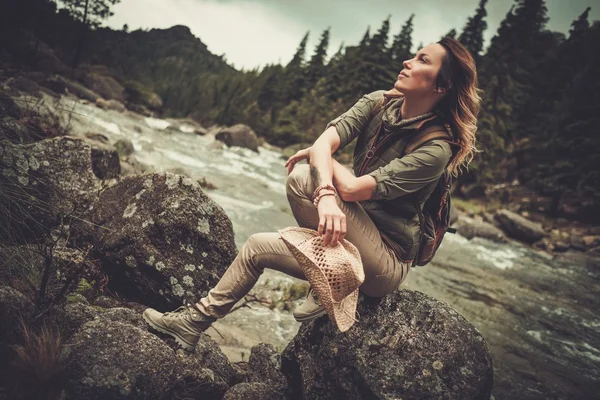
(383,272)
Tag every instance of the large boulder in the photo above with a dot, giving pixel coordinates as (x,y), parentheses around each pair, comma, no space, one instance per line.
(24,85)
(161,240)
(470,228)
(114,105)
(265,366)
(112,360)
(519,227)
(197,381)
(63,85)
(106,86)
(138,94)
(406,345)
(209,354)
(41,183)
(239,135)
(253,391)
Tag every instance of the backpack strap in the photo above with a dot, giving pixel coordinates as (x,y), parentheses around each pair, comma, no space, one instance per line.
(428,134)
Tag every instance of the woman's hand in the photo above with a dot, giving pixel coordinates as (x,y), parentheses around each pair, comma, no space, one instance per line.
(299,156)
(332,219)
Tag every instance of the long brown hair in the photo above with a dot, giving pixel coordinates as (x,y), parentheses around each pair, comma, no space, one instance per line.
(462,102)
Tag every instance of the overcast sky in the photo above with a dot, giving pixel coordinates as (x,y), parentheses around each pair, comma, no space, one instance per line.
(252,33)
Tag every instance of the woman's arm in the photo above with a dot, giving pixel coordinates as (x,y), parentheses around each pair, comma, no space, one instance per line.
(349,187)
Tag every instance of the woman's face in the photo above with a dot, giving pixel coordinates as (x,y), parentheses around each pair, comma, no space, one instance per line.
(419,74)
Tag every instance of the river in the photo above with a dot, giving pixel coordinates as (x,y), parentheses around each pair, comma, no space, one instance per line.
(537,312)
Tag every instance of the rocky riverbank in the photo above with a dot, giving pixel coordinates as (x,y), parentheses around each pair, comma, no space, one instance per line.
(135,235)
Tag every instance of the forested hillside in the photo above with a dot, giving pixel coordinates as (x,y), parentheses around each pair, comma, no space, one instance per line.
(541,88)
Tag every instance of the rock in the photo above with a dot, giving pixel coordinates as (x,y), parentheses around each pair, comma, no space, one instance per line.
(112,360)
(110,105)
(561,246)
(470,228)
(172,129)
(594,251)
(141,109)
(161,240)
(265,366)
(216,145)
(253,391)
(196,381)
(24,85)
(124,147)
(136,93)
(209,355)
(207,183)
(544,244)
(293,149)
(72,316)
(131,166)
(53,178)
(97,137)
(518,227)
(13,306)
(406,345)
(591,241)
(271,147)
(475,191)
(62,85)
(105,86)
(105,162)
(123,315)
(576,241)
(239,135)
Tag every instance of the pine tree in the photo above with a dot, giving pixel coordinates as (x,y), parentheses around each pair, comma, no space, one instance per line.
(377,64)
(294,78)
(451,34)
(316,66)
(472,35)
(89,13)
(402,44)
(506,73)
(562,159)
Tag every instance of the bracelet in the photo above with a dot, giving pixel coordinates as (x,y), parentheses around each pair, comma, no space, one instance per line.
(324,186)
(318,198)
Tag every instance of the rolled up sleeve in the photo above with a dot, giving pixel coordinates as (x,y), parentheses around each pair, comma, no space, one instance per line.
(351,123)
(405,175)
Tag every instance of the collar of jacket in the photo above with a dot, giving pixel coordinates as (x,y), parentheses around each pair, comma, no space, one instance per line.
(391,118)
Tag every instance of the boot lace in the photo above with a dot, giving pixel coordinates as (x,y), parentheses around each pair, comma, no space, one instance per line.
(180,311)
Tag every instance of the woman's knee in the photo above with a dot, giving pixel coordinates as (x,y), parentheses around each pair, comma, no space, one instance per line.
(296,182)
(254,246)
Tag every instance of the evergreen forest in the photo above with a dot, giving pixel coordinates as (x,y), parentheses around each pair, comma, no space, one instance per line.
(541,102)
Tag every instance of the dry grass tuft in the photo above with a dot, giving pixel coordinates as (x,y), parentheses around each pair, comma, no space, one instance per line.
(37,370)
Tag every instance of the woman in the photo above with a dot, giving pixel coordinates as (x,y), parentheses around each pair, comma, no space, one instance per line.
(375,209)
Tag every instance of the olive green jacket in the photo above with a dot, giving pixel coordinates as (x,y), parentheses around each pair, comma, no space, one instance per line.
(404,182)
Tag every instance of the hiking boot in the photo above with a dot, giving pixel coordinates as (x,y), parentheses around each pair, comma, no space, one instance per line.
(185,324)
(310,309)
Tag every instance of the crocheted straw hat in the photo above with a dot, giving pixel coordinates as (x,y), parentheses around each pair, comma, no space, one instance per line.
(335,273)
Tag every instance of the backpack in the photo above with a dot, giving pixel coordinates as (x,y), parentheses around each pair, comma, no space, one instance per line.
(434,217)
